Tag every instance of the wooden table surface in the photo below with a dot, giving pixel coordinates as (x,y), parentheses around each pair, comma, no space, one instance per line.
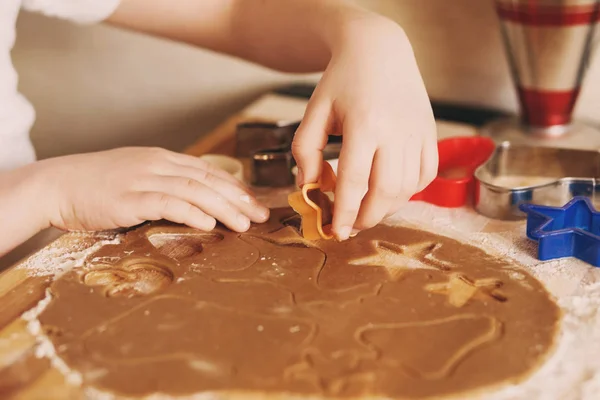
(27,377)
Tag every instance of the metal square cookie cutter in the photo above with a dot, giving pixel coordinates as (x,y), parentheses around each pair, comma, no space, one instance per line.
(269,148)
(521,174)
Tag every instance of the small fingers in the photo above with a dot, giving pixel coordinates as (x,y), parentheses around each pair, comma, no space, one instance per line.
(394,180)
(196,163)
(356,158)
(429,162)
(153,206)
(385,189)
(202,197)
(235,193)
(411,171)
(310,139)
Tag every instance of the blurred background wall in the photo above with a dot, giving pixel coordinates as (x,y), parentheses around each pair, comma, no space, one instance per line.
(98,87)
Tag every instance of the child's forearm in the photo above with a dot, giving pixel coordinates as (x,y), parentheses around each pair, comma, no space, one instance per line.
(290,35)
(300,35)
(21,207)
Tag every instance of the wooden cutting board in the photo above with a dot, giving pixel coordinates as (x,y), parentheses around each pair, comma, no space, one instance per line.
(22,374)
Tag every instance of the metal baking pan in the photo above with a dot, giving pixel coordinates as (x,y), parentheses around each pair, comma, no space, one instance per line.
(518,174)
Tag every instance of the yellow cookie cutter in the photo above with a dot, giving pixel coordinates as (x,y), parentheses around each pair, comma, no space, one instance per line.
(311,213)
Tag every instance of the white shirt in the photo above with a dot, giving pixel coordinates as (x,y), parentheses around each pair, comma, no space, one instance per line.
(16,113)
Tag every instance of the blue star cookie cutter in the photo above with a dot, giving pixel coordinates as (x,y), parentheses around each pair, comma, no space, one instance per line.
(569,231)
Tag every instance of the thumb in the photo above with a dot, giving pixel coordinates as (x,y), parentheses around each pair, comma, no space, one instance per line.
(310,140)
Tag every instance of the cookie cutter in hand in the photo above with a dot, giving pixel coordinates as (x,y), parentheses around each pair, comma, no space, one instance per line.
(314,206)
(459,157)
(520,174)
(572,230)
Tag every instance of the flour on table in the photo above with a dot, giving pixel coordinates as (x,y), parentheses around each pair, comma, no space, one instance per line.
(572,371)
(56,261)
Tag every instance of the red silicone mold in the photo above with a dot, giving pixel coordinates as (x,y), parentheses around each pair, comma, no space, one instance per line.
(459,157)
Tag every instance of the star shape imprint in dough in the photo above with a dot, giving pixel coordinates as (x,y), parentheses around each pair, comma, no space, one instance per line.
(398,258)
(460,289)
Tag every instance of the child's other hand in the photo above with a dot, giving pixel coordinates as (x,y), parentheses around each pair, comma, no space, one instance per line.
(125,187)
(372,94)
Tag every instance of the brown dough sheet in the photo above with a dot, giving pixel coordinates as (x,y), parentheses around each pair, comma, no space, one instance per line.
(393,312)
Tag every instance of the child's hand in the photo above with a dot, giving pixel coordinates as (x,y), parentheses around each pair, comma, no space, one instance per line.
(371,93)
(125,187)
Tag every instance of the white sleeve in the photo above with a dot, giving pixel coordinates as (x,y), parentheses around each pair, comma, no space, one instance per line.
(80,11)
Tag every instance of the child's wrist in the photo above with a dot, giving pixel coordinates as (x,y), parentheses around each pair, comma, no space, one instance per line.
(32,189)
(365,30)
(22,208)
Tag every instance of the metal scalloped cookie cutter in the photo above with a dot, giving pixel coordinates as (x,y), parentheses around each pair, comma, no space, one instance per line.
(520,174)
(272,167)
(269,147)
(253,137)
(314,206)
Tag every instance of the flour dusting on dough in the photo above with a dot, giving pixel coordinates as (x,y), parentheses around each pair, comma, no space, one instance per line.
(572,370)
(56,259)
(42,264)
